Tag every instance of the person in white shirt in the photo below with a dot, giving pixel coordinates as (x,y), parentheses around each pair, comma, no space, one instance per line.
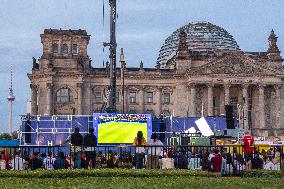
(48,162)
(276,161)
(154,152)
(17,163)
(2,163)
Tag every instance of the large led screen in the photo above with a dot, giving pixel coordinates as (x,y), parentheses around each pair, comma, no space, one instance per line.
(121,128)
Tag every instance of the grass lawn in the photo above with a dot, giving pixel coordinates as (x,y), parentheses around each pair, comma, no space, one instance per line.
(154,182)
(128,178)
(120,132)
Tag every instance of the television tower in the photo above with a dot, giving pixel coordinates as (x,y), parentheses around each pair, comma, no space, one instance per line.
(10,99)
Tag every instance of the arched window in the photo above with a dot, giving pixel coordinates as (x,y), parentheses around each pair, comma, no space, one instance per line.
(54,48)
(65,49)
(64,95)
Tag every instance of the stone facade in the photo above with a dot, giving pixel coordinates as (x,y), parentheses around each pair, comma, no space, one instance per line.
(64,82)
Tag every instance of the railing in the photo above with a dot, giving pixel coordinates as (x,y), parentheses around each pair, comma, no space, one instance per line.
(229,159)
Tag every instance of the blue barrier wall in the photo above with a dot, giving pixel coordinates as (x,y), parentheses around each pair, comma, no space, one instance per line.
(55,130)
(9,143)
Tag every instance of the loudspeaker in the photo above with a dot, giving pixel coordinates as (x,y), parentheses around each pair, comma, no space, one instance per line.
(28,138)
(184,140)
(162,130)
(229,117)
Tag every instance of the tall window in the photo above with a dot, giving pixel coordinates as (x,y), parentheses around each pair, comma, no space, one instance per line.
(234,103)
(150,96)
(166,98)
(54,48)
(64,95)
(132,97)
(117,97)
(65,49)
(74,49)
(98,96)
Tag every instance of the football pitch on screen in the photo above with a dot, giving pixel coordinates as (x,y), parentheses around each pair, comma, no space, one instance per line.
(120,132)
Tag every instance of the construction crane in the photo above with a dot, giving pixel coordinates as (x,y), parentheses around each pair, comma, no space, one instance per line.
(112,58)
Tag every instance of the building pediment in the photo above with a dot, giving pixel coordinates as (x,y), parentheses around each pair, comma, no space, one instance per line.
(235,65)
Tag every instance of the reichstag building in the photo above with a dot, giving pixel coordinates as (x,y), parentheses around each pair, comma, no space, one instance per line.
(199,70)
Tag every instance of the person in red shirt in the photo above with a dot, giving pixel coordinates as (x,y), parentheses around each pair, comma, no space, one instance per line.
(5,157)
(217,162)
(248,144)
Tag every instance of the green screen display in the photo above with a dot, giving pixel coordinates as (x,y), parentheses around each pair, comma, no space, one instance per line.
(121,128)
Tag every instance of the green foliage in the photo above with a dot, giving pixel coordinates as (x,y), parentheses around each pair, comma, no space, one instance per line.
(5,136)
(102,173)
(131,178)
(166,182)
(261,173)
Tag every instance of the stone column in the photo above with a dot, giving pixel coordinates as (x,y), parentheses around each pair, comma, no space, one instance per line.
(193,100)
(261,106)
(49,99)
(245,104)
(125,99)
(277,106)
(159,102)
(227,94)
(34,107)
(142,99)
(210,100)
(80,98)
(89,99)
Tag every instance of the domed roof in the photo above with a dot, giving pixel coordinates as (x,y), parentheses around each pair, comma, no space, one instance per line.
(202,37)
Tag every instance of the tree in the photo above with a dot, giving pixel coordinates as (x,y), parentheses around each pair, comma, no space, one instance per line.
(5,136)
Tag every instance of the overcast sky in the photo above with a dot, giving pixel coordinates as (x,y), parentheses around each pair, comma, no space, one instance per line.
(143,25)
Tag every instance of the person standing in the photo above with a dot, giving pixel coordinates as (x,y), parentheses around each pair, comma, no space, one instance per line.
(35,162)
(248,146)
(217,162)
(90,142)
(139,143)
(5,158)
(257,162)
(155,150)
(48,162)
(2,163)
(60,162)
(77,143)
(17,163)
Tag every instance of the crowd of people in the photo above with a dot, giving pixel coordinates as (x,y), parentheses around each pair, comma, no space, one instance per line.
(145,154)
(122,117)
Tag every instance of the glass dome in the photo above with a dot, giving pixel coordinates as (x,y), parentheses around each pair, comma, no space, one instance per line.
(202,37)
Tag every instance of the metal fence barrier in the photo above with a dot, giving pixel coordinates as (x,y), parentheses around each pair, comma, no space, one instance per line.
(226,160)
